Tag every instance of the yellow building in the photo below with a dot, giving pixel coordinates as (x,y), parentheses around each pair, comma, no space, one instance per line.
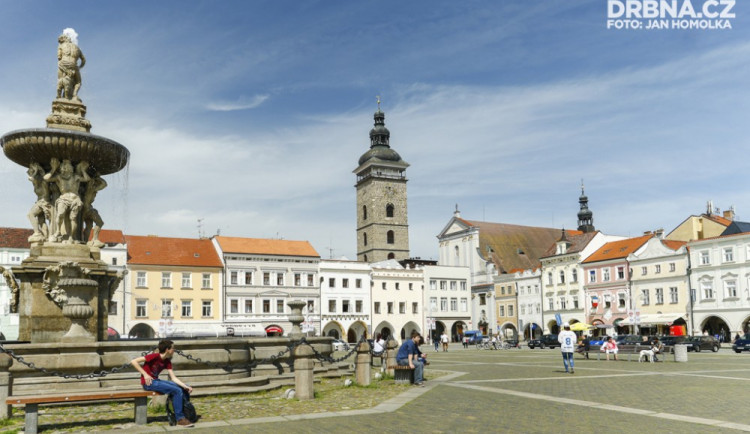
(699,227)
(175,287)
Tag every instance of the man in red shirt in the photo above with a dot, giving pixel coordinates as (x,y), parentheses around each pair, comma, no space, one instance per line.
(153,364)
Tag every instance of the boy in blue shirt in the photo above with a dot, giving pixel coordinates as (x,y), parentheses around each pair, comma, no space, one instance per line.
(408,355)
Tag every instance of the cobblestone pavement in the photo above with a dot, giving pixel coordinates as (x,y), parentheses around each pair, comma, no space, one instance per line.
(527,391)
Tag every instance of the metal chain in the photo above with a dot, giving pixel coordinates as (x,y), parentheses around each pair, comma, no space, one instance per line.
(50,372)
(248,366)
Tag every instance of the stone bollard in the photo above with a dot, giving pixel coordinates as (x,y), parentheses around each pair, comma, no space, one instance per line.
(390,359)
(364,358)
(6,385)
(303,372)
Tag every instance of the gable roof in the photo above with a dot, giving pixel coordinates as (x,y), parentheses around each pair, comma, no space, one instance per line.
(264,246)
(673,244)
(618,249)
(187,252)
(736,228)
(111,236)
(514,246)
(15,238)
(576,243)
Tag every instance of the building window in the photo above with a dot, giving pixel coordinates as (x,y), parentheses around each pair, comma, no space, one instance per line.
(248,277)
(331,306)
(398,286)
(551,303)
(411,286)
(390,239)
(187,280)
(644,271)
(522,309)
(433,285)
(605,275)
(266,278)
(358,306)
(621,301)
(401,307)
(672,266)
(705,258)
(620,273)
(563,303)
(377,307)
(644,297)
(501,311)
(364,238)
(607,301)
(454,286)
(234,306)
(140,280)
(443,285)
(310,306)
(279,279)
(248,306)
(331,282)
(510,310)
(166,279)
(730,288)
(344,283)
(187,308)
(310,281)
(415,307)
(358,283)
(592,276)
(549,278)
(206,309)
(233,278)
(433,303)
(464,305)
(166,308)
(206,281)
(297,279)
(728,254)
(657,269)
(345,306)
(279,306)
(463,286)
(364,212)
(141,308)
(390,308)
(673,298)
(389,210)
(562,276)
(659,295)
(266,306)
(707,290)
(575,302)
(443,304)
(574,275)
(482,299)
(112,308)
(383,285)
(454,304)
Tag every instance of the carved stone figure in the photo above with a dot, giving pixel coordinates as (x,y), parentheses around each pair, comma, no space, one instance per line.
(12,283)
(68,206)
(41,211)
(68,68)
(91,218)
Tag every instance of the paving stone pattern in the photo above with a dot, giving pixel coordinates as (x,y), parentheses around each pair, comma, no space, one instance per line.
(470,391)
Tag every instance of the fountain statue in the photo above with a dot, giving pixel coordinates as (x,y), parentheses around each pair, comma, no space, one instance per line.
(64,288)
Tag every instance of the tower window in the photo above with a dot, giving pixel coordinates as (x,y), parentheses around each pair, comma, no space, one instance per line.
(391,255)
(390,237)
(364,212)
(389,210)
(365,238)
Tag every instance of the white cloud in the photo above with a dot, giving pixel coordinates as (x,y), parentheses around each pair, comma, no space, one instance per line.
(241,104)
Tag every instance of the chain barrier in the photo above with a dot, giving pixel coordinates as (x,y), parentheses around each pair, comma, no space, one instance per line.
(248,366)
(54,373)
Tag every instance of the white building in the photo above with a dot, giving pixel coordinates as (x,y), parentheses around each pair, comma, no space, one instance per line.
(260,277)
(396,295)
(14,248)
(115,255)
(528,283)
(720,281)
(446,300)
(345,299)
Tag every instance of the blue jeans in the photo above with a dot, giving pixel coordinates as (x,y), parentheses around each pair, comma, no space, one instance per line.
(567,359)
(171,389)
(418,368)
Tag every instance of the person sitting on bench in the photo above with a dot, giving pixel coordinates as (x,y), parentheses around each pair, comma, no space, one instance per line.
(657,347)
(408,355)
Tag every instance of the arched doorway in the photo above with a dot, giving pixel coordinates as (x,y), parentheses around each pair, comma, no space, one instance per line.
(356,330)
(408,328)
(385,329)
(553,327)
(333,330)
(457,330)
(273,331)
(142,331)
(508,331)
(438,331)
(715,326)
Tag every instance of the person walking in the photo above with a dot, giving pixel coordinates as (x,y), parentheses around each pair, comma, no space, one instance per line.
(444,340)
(436,341)
(567,341)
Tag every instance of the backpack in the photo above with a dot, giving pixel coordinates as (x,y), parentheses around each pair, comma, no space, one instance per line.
(188,409)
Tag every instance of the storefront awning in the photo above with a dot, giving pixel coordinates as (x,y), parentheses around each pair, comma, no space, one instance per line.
(656,318)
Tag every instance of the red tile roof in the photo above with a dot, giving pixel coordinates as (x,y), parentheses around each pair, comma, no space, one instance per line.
(264,246)
(673,244)
(187,252)
(15,238)
(618,249)
(111,236)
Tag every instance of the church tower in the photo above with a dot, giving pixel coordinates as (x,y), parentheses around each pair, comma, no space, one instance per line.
(382,222)
(585,216)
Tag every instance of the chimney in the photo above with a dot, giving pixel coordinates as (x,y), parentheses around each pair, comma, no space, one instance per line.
(659,233)
(729,214)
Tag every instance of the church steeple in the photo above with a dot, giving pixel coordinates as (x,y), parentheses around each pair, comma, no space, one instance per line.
(585,216)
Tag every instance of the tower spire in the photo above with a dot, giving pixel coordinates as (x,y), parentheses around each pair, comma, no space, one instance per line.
(585,216)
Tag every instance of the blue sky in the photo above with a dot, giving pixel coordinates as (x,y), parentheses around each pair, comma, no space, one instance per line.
(251,115)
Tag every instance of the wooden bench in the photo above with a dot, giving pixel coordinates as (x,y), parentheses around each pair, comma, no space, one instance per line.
(635,350)
(402,374)
(31,403)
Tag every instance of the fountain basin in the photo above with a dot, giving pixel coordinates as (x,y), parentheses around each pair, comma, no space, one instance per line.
(40,145)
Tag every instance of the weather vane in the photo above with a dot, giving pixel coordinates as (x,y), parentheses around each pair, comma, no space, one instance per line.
(378,98)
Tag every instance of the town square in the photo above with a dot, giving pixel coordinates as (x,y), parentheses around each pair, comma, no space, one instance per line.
(284,207)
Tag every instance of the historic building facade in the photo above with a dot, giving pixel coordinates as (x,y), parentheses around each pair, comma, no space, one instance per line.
(345,299)
(260,277)
(14,248)
(382,217)
(397,294)
(446,301)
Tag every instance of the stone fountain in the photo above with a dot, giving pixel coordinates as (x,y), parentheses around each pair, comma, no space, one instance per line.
(63,289)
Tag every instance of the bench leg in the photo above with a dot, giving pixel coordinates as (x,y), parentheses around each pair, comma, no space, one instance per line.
(141,405)
(32,418)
